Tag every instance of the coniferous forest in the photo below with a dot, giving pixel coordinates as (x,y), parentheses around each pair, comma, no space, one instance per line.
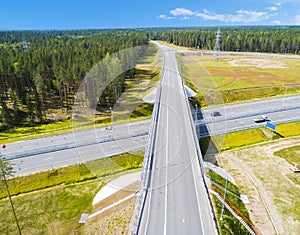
(41,70)
(45,72)
(247,39)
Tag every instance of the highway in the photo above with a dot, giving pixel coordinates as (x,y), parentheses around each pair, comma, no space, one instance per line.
(177,201)
(45,153)
(220,127)
(76,139)
(240,116)
(56,151)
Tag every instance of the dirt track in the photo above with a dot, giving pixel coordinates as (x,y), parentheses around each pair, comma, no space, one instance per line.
(275,181)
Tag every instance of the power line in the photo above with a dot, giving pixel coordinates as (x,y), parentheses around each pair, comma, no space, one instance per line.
(216,54)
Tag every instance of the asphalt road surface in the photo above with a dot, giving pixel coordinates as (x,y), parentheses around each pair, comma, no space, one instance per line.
(241,116)
(51,160)
(56,151)
(177,201)
(45,153)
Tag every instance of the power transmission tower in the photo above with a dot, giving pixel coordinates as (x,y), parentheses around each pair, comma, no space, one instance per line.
(25,47)
(216,54)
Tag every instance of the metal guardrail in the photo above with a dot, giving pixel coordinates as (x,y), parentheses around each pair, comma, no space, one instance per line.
(37,151)
(244,127)
(245,115)
(199,156)
(233,213)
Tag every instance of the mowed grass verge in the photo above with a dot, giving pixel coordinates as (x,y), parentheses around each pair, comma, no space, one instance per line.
(253,136)
(74,174)
(54,211)
(56,199)
(229,224)
(249,137)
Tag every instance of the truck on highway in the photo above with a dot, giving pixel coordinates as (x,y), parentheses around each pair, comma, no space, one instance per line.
(263,118)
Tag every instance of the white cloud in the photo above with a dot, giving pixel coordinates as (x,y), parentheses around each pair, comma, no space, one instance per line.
(245,16)
(282,2)
(185,18)
(272,8)
(240,16)
(297,19)
(181,12)
(277,22)
(164,17)
(206,11)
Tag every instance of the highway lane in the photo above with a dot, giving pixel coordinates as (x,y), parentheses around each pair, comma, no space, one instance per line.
(76,139)
(282,110)
(51,160)
(249,109)
(51,151)
(220,125)
(56,151)
(177,202)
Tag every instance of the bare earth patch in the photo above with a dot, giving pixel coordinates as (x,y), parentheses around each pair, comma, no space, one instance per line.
(274,174)
(258,63)
(117,219)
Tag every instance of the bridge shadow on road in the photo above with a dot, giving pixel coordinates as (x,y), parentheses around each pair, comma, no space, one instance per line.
(207,143)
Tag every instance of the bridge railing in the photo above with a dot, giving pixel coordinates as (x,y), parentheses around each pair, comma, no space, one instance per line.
(148,160)
(199,156)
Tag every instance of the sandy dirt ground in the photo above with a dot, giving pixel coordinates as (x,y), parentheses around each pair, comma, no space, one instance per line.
(258,63)
(115,220)
(266,178)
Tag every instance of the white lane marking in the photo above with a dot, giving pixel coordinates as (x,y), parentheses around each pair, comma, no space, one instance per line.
(194,158)
(154,163)
(151,184)
(197,194)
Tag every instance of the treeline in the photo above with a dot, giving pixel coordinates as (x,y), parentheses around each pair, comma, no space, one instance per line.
(247,39)
(40,70)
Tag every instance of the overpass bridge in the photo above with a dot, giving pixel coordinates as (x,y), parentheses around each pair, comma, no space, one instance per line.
(174,197)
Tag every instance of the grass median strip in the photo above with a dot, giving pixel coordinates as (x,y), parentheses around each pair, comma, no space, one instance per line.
(73,174)
(249,137)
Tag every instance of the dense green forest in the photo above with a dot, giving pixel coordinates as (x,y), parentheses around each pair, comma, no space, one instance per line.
(41,70)
(247,39)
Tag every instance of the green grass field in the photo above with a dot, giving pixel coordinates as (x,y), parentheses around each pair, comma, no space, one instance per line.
(52,202)
(242,138)
(292,155)
(75,173)
(55,211)
(239,77)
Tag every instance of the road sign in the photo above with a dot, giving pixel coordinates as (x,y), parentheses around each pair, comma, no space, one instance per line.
(272,126)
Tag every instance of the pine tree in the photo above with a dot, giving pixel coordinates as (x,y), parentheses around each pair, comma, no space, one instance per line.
(5,117)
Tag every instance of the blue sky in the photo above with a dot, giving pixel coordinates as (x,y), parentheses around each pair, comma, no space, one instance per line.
(83,14)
